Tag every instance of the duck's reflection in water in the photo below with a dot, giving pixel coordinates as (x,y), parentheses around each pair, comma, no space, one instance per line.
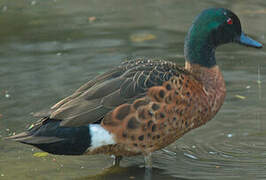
(132,172)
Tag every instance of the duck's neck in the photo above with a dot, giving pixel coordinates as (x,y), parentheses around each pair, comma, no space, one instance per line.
(200,47)
(199,53)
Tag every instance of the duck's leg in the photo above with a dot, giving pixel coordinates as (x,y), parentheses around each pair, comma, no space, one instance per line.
(148,166)
(117,160)
(148,160)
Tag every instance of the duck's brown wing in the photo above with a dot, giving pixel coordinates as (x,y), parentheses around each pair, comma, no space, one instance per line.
(124,84)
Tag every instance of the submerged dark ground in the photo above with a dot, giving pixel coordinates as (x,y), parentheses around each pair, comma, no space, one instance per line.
(50,48)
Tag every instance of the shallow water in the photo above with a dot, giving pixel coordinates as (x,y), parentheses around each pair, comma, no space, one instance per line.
(50,48)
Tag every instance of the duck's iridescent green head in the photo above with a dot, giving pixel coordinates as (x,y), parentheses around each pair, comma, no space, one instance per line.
(214,27)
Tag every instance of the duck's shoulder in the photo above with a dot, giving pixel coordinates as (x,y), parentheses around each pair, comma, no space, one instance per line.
(153,65)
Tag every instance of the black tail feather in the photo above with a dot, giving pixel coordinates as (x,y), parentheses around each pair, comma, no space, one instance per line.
(49,136)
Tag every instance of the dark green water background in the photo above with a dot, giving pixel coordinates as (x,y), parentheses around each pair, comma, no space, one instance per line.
(49,48)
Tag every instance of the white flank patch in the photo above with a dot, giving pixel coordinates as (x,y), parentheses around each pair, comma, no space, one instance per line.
(100,136)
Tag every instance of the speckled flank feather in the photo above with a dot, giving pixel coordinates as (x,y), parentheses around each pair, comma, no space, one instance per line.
(165,114)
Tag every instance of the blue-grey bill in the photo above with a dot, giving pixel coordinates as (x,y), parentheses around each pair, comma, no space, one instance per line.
(245,40)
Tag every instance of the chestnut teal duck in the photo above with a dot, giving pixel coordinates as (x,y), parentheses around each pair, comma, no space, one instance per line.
(144,104)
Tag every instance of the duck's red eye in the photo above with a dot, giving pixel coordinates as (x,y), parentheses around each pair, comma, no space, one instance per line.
(229,21)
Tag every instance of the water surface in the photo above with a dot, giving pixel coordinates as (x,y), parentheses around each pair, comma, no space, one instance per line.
(50,48)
